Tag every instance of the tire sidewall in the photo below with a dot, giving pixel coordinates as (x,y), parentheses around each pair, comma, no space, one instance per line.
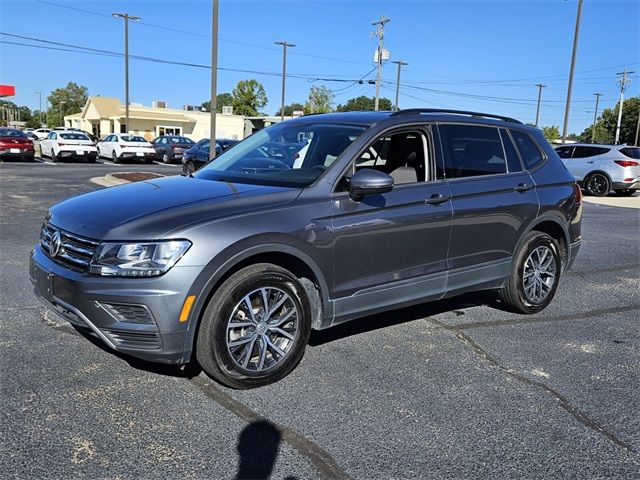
(537,241)
(215,327)
(606,179)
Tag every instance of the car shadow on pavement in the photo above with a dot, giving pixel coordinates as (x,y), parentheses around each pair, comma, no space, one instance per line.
(258,449)
(404,315)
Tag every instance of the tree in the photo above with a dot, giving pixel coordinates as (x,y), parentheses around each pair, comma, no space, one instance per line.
(292,107)
(606,124)
(68,100)
(320,100)
(551,133)
(248,97)
(363,103)
(222,100)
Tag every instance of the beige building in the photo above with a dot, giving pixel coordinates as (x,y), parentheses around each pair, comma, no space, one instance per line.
(104,115)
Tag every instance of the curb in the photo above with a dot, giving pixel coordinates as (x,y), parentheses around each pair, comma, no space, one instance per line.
(109,180)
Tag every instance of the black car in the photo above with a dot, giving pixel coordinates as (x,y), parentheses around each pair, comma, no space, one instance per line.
(236,264)
(198,155)
(170,148)
(14,144)
(227,143)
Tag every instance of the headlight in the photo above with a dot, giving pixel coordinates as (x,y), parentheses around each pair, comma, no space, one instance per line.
(137,259)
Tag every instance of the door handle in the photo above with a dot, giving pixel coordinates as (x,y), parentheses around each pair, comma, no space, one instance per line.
(523,187)
(436,199)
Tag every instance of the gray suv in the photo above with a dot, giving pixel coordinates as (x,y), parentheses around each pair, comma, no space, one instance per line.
(234,265)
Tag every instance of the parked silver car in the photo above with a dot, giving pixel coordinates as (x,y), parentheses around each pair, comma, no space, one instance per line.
(602,168)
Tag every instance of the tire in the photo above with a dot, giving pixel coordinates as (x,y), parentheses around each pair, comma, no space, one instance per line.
(165,158)
(516,294)
(99,154)
(189,168)
(224,362)
(114,157)
(597,185)
(625,193)
(54,158)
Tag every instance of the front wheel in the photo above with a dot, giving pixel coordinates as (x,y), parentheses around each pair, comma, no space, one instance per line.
(534,274)
(625,193)
(255,328)
(189,168)
(597,185)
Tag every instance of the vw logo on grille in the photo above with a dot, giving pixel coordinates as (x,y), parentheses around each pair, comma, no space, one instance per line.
(55,244)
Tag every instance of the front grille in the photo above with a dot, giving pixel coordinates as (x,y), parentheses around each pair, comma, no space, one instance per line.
(128,313)
(75,252)
(137,340)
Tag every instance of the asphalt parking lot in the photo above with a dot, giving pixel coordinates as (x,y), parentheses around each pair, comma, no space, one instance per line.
(452,389)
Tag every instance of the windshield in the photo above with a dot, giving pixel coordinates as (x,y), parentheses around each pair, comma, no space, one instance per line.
(74,136)
(131,138)
(181,140)
(285,154)
(9,132)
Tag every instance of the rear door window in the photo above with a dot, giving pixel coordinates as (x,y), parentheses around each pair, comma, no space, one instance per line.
(585,152)
(472,150)
(564,152)
(529,151)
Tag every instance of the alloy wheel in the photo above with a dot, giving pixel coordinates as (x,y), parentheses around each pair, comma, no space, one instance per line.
(598,185)
(262,329)
(539,274)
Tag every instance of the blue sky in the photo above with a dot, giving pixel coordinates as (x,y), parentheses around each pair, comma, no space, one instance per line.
(457,50)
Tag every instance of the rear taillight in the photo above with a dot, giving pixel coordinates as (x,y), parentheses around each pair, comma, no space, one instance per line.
(577,192)
(627,163)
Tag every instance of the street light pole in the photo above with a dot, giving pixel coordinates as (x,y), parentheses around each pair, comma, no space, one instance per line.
(284,73)
(595,117)
(540,87)
(400,64)
(126,18)
(573,65)
(213,102)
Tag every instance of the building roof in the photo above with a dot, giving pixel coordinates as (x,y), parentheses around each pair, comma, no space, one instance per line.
(105,106)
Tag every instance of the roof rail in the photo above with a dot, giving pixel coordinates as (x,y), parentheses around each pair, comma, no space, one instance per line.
(409,111)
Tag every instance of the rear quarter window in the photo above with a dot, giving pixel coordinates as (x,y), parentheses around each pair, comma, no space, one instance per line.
(631,152)
(529,151)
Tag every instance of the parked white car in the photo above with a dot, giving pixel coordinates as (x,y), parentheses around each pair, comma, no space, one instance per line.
(61,144)
(41,133)
(121,146)
(602,168)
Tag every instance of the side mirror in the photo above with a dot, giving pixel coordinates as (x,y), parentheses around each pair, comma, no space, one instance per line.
(368,182)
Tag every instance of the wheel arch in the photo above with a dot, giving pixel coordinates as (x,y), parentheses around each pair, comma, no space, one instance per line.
(553,227)
(597,171)
(286,256)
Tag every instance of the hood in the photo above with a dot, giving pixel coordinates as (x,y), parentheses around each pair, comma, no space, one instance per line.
(154,209)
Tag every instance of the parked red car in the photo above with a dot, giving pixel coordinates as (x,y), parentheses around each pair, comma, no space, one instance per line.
(14,144)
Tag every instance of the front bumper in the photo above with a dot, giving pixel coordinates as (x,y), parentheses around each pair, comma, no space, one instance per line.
(104,306)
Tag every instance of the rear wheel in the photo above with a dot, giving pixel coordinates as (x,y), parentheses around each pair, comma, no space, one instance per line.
(54,157)
(625,193)
(165,158)
(534,275)
(114,157)
(597,184)
(255,327)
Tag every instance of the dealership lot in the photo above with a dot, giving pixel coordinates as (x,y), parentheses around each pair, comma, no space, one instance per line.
(452,389)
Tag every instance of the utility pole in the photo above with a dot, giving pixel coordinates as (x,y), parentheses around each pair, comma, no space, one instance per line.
(284,73)
(62,102)
(213,105)
(126,18)
(380,34)
(540,87)
(625,78)
(637,128)
(40,108)
(400,64)
(595,117)
(573,66)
